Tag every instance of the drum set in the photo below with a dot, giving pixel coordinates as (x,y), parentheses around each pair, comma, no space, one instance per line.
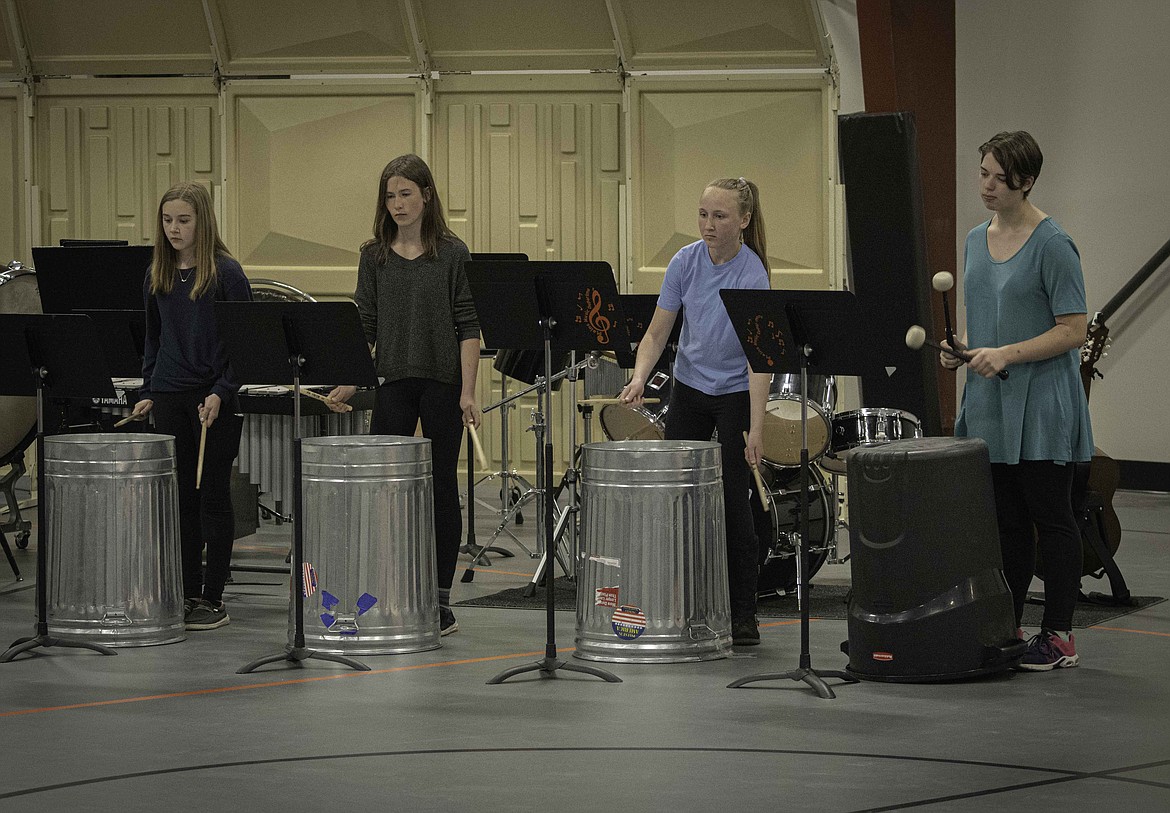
(831,436)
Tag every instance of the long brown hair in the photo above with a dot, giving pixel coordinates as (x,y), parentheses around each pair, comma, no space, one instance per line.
(434,225)
(208,246)
(748,196)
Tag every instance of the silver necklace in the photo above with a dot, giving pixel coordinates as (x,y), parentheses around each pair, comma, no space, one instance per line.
(179,271)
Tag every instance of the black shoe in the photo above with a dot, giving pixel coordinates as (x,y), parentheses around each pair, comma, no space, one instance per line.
(745,632)
(207,616)
(447,622)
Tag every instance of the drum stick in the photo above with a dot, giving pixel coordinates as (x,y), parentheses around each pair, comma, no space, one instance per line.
(916,338)
(759,480)
(128,419)
(616,400)
(199,465)
(483,462)
(320,397)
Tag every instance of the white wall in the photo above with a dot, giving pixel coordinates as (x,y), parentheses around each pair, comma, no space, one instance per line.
(1091,82)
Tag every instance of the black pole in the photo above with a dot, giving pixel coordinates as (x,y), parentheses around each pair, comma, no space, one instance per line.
(549,665)
(42,637)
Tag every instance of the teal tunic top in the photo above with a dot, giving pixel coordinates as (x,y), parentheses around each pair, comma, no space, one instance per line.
(1040,412)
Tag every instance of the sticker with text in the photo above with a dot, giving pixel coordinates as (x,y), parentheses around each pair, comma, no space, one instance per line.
(606,596)
(628,622)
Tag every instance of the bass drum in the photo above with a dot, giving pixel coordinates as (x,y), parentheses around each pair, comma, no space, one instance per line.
(18,414)
(776,528)
(782,435)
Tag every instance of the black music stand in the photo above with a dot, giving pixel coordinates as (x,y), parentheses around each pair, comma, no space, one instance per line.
(74,278)
(639,311)
(58,355)
(122,337)
(559,307)
(275,342)
(788,332)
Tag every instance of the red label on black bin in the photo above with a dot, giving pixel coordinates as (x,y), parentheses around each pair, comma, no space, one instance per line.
(883,656)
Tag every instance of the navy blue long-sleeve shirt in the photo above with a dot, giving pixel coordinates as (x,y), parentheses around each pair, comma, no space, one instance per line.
(183,351)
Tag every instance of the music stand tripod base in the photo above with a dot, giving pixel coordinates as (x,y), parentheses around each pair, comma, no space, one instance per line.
(297,655)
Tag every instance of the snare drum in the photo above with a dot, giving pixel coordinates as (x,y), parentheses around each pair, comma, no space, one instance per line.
(870,426)
(782,442)
(624,422)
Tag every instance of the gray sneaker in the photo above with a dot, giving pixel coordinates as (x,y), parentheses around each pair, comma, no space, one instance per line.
(447,622)
(206,616)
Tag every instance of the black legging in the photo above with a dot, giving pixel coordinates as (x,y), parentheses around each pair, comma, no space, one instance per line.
(397,410)
(205,516)
(694,415)
(1038,494)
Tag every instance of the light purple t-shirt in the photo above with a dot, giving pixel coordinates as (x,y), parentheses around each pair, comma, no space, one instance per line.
(710,357)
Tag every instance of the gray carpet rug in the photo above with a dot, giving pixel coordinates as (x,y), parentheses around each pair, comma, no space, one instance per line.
(825,601)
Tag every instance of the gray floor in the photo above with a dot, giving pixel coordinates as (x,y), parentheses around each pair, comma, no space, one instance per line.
(174,727)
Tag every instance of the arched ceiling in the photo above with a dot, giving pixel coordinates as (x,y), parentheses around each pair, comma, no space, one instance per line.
(284,37)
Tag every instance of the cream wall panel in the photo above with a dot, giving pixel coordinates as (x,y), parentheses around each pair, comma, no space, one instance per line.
(303,169)
(544,169)
(106,158)
(11,190)
(769,131)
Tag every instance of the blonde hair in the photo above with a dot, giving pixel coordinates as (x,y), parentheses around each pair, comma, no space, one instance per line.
(208,246)
(748,196)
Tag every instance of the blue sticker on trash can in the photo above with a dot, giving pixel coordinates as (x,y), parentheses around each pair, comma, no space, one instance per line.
(628,622)
(328,600)
(365,602)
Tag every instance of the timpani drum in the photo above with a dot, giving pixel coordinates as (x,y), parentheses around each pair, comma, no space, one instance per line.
(652,579)
(112,542)
(369,546)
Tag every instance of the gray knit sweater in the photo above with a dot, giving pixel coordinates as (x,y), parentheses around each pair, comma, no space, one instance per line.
(417,312)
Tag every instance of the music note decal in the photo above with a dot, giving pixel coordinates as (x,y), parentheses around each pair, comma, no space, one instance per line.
(757,325)
(590,303)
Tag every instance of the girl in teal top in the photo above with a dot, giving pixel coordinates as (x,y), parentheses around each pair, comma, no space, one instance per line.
(1025,299)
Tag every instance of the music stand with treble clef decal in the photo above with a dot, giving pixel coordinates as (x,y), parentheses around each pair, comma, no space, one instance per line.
(563,307)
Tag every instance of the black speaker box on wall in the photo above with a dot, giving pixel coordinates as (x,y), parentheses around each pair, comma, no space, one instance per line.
(887,250)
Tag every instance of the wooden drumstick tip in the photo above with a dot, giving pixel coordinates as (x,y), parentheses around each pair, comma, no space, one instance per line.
(202,447)
(128,419)
(480,456)
(759,480)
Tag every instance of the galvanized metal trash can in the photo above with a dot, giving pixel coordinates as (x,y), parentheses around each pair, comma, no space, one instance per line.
(652,575)
(369,545)
(112,543)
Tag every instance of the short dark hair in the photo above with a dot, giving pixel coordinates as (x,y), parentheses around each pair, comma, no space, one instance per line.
(1019,155)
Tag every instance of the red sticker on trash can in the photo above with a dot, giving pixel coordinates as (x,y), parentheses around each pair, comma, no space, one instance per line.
(883,656)
(628,622)
(606,597)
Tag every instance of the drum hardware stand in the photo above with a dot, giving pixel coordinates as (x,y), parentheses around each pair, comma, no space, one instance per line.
(519,305)
(43,345)
(263,341)
(530,493)
(748,309)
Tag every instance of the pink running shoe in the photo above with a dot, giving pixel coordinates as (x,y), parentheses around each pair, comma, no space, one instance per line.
(1048,650)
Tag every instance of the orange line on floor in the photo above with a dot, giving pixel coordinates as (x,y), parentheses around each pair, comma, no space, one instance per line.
(788,623)
(1139,632)
(270,684)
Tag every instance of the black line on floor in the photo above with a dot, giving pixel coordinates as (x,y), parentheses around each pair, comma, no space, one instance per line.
(1062,775)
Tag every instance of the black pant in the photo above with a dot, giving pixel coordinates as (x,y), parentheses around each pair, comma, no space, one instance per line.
(205,516)
(694,415)
(397,410)
(1038,494)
